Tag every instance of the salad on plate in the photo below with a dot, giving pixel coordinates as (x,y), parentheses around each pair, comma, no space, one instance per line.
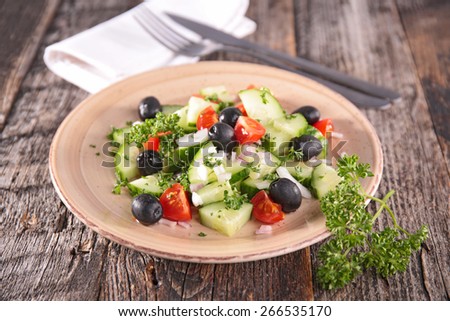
(231,157)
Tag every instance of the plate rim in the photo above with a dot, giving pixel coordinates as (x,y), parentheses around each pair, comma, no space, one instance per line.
(66,199)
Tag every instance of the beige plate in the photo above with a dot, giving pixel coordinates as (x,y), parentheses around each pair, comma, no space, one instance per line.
(84,181)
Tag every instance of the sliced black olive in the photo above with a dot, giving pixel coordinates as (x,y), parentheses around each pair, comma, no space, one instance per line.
(222,136)
(308,145)
(312,114)
(149,162)
(230,116)
(286,193)
(146,209)
(149,107)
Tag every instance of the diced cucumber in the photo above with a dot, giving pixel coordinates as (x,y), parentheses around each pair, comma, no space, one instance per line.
(125,162)
(170,109)
(261,105)
(324,179)
(196,106)
(145,185)
(224,220)
(211,193)
(278,142)
(293,125)
(301,172)
(199,172)
(220,91)
(118,134)
(252,186)
(183,123)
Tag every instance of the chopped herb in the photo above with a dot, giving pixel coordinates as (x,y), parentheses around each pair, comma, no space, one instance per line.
(129,123)
(92,145)
(118,186)
(126,156)
(201,234)
(271,176)
(355,246)
(234,200)
(213,98)
(98,154)
(211,161)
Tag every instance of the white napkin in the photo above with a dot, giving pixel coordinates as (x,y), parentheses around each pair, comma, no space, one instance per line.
(119,47)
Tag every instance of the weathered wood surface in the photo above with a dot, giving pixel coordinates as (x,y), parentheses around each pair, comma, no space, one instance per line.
(46,253)
(21,38)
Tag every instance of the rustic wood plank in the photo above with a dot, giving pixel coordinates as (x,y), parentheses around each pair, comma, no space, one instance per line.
(427,27)
(366,39)
(23,26)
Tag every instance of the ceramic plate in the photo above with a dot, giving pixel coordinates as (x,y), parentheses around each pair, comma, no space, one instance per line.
(84,180)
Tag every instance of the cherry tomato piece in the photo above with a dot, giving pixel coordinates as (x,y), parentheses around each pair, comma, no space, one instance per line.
(248,130)
(324,126)
(265,210)
(175,204)
(207,118)
(152,144)
(242,109)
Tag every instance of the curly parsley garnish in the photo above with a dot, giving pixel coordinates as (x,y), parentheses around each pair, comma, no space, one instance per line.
(355,245)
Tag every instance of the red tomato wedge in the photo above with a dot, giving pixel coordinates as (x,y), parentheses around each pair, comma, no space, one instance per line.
(207,118)
(175,204)
(242,109)
(324,126)
(152,144)
(264,210)
(248,130)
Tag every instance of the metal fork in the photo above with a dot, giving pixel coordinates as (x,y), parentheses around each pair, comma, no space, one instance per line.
(180,44)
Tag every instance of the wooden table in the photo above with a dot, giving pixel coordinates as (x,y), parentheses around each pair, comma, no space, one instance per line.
(47,254)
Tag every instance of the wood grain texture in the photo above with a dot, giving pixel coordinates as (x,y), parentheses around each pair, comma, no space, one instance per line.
(23,25)
(47,254)
(367,39)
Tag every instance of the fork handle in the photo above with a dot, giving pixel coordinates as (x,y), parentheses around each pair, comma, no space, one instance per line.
(360,99)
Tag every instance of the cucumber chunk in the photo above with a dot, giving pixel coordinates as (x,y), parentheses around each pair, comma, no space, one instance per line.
(220,91)
(261,105)
(224,220)
(196,106)
(211,193)
(118,134)
(145,185)
(294,125)
(183,122)
(324,179)
(125,162)
(301,172)
(252,186)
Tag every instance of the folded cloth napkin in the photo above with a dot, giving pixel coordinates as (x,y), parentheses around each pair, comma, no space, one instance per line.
(120,47)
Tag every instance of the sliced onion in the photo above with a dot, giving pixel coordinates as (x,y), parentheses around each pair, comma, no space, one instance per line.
(167,222)
(196,199)
(284,173)
(223,177)
(262,184)
(219,170)
(203,172)
(195,187)
(201,135)
(264,229)
(185,225)
(254,175)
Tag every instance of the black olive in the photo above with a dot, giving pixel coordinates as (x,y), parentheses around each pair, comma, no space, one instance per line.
(286,193)
(149,107)
(146,209)
(230,116)
(309,145)
(222,136)
(312,114)
(149,162)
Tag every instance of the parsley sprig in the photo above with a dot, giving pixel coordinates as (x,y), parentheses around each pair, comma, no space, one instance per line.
(234,200)
(355,246)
